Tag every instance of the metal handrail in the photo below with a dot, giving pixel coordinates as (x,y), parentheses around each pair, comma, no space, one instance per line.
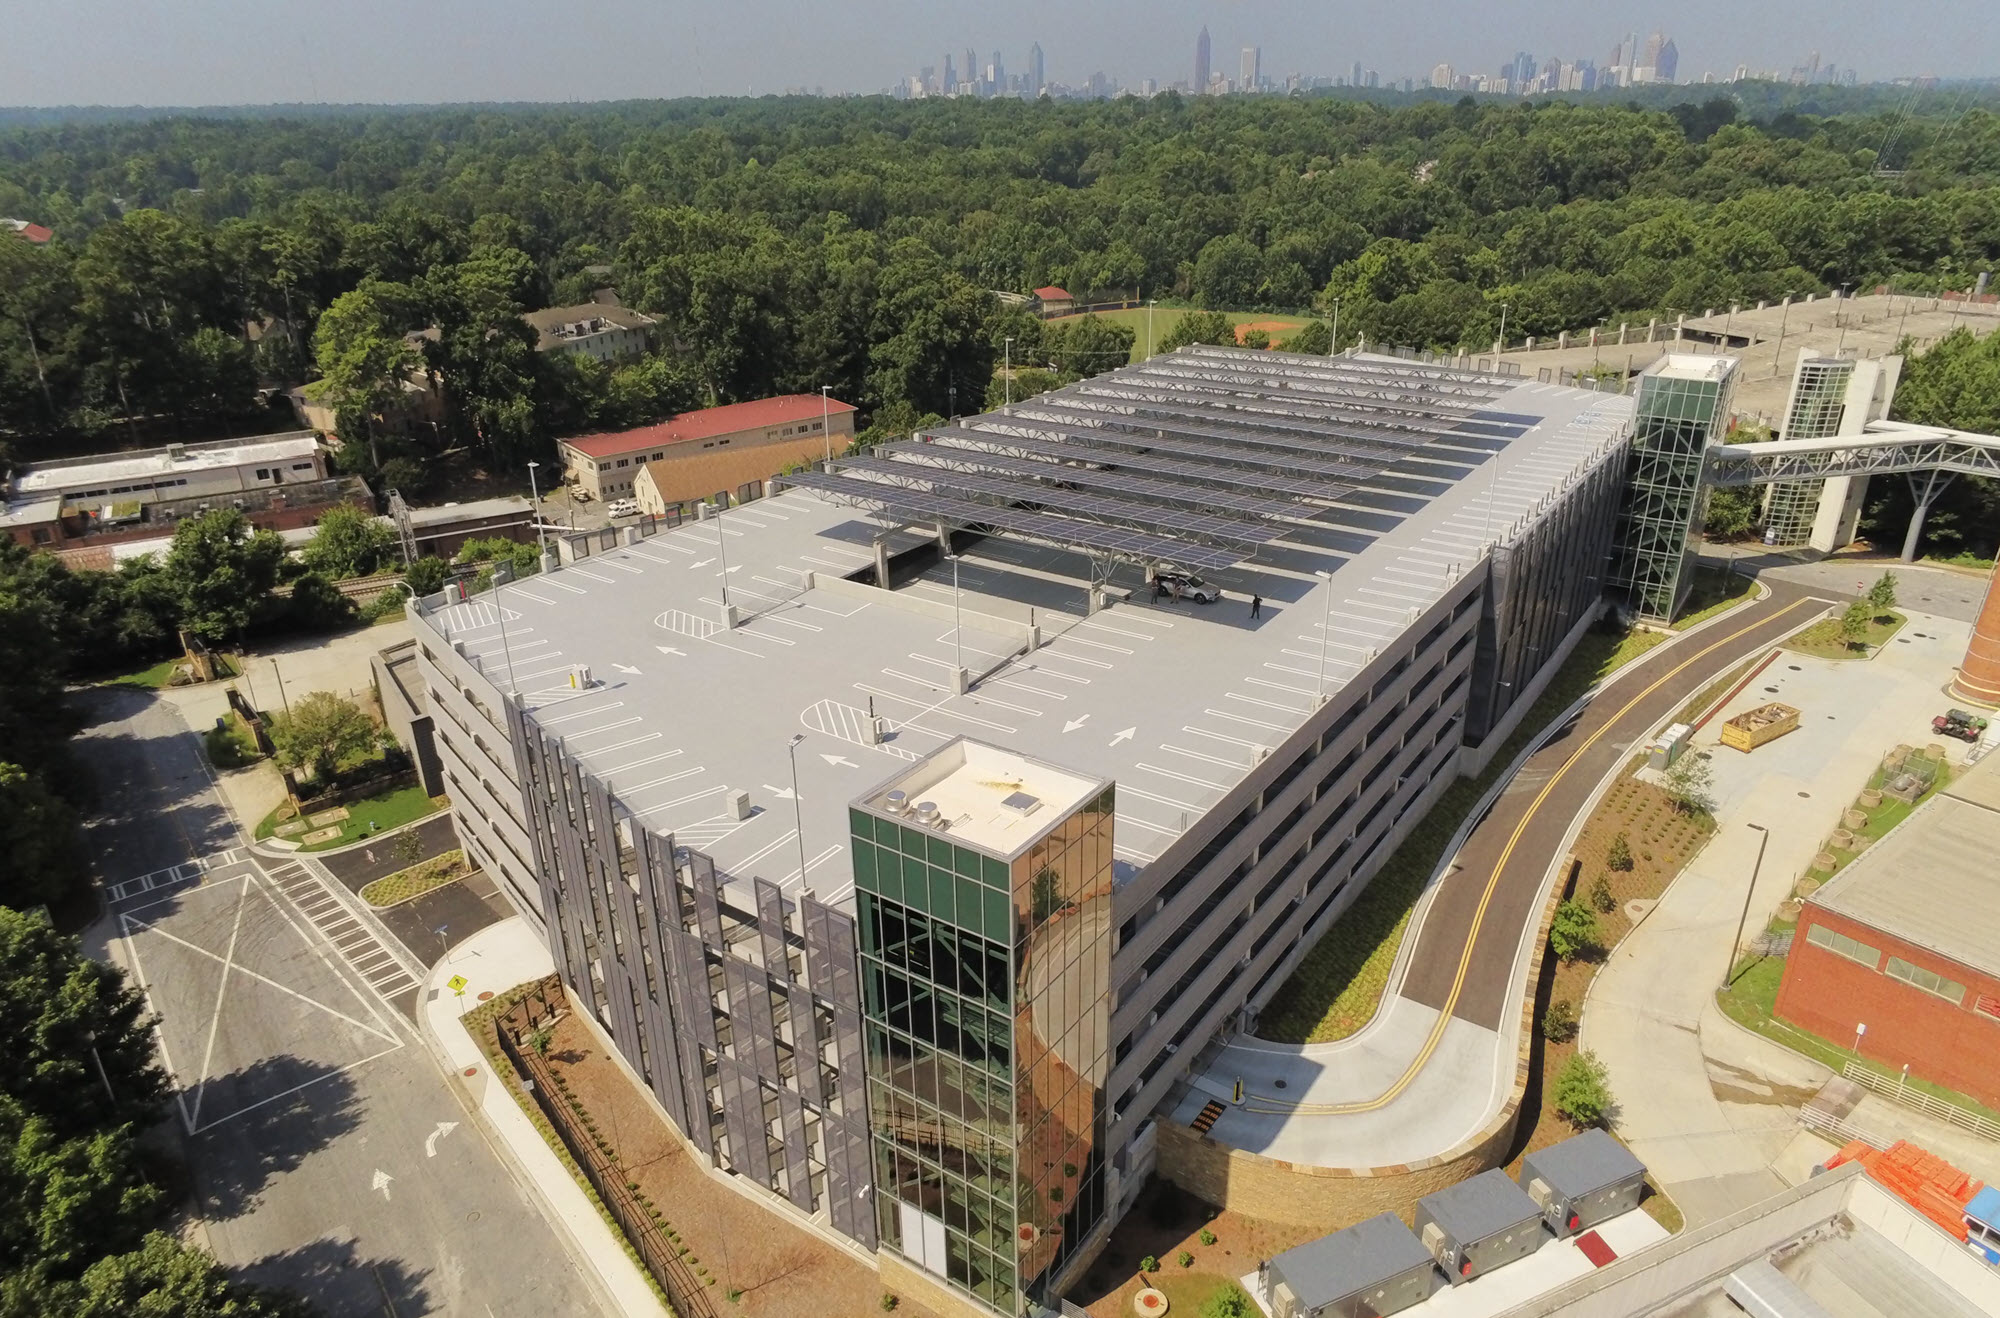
(1897,1092)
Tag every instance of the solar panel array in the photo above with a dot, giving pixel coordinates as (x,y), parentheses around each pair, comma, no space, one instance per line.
(1198,458)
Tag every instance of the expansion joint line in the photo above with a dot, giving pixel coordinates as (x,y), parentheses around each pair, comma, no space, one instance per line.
(1267,1104)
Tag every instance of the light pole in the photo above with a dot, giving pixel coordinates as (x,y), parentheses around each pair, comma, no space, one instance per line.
(1729,971)
(1503,330)
(1150,340)
(535,489)
(824,428)
(1325,629)
(1333,344)
(1007,373)
(1784,318)
(722,552)
(798,819)
(957,629)
(282,697)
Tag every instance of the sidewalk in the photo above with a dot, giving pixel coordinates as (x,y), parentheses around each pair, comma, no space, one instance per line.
(494,960)
(1709,1106)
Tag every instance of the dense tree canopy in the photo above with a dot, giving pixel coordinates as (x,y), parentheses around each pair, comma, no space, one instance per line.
(789,244)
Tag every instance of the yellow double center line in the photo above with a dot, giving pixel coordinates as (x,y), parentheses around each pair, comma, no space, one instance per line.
(1265,1103)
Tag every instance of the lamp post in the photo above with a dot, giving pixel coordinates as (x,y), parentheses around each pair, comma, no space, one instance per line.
(1150,340)
(535,489)
(957,629)
(1784,318)
(283,699)
(1763,837)
(798,819)
(1325,629)
(722,552)
(1007,373)
(1333,343)
(1503,330)
(824,428)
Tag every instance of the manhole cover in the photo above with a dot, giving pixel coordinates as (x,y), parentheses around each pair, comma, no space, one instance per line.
(1807,795)
(473,1070)
(1278,1084)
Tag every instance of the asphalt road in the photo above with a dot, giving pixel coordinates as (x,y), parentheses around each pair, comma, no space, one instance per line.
(438,921)
(319,1132)
(1497,888)
(1947,592)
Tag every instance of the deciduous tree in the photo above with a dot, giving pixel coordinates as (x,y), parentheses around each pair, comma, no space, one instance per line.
(320,731)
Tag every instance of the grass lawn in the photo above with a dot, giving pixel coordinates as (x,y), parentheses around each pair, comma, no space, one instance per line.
(1714,590)
(1164,318)
(1753,991)
(1891,812)
(1823,639)
(1336,988)
(425,876)
(366,818)
(161,673)
(229,746)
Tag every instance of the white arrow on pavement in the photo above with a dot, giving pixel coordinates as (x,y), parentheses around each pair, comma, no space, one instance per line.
(1126,735)
(782,793)
(444,1128)
(625,668)
(703,563)
(1076,723)
(381,1182)
(737,568)
(668,649)
(840,759)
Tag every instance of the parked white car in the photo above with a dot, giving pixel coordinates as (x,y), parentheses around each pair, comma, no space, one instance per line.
(622,508)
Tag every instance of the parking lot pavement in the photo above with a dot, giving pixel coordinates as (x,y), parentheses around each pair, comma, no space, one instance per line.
(327,1150)
(438,921)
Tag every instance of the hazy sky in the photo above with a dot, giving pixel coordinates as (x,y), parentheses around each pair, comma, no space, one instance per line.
(209,52)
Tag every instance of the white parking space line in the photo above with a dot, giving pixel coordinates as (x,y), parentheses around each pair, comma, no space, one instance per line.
(1188,778)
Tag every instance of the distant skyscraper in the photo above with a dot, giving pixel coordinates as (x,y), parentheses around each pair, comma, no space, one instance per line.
(972,70)
(1608,75)
(1650,61)
(1441,76)
(950,76)
(1201,63)
(1250,69)
(1667,64)
(1036,70)
(997,75)
(1354,74)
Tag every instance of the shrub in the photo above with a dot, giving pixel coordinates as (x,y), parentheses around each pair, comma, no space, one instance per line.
(1207,1236)
(1690,785)
(1559,1021)
(1228,1302)
(1600,896)
(1619,855)
(1583,1091)
(889,1301)
(1185,1259)
(1573,932)
(1149,1264)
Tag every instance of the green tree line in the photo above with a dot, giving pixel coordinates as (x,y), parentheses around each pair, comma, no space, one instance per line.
(787,244)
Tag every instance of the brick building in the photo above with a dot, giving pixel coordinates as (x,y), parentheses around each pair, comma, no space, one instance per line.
(607,466)
(1901,950)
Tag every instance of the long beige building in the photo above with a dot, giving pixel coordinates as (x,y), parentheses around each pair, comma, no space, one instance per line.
(781,431)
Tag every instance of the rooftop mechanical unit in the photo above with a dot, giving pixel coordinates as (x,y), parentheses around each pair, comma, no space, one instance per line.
(1479,1225)
(1372,1269)
(1584,1180)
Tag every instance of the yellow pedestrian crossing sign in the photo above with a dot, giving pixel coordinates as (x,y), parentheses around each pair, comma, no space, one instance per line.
(456,984)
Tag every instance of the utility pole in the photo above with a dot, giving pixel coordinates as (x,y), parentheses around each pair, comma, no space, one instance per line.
(1763,836)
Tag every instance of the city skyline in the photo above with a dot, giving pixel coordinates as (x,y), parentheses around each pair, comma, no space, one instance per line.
(115,52)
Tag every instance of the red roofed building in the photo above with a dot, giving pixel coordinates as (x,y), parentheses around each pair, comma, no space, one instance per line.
(34,233)
(607,465)
(1055,301)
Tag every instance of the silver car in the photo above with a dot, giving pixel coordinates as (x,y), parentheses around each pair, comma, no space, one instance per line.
(1184,586)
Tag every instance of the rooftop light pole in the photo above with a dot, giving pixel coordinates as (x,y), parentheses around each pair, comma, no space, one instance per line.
(1784,318)
(957,628)
(798,820)
(722,552)
(824,428)
(535,489)
(1333,342)
(1503,327)
(1325,630)
(1007,372)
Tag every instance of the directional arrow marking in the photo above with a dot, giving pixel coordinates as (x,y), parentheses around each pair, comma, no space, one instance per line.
(840,759)
(737,568)
(1076,723)
(782,793)
(1125,735)
(700,563)
(626,668)
(668,649)
(381,1182)
(444,1128)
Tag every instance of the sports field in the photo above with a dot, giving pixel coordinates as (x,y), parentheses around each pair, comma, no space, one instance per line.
(1164,317)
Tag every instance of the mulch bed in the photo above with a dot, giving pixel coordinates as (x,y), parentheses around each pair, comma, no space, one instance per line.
(784,1271)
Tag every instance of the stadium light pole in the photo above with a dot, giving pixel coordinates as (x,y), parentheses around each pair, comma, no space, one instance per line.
(1325,629)
(535,489)
(1763,836)
(798,819)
